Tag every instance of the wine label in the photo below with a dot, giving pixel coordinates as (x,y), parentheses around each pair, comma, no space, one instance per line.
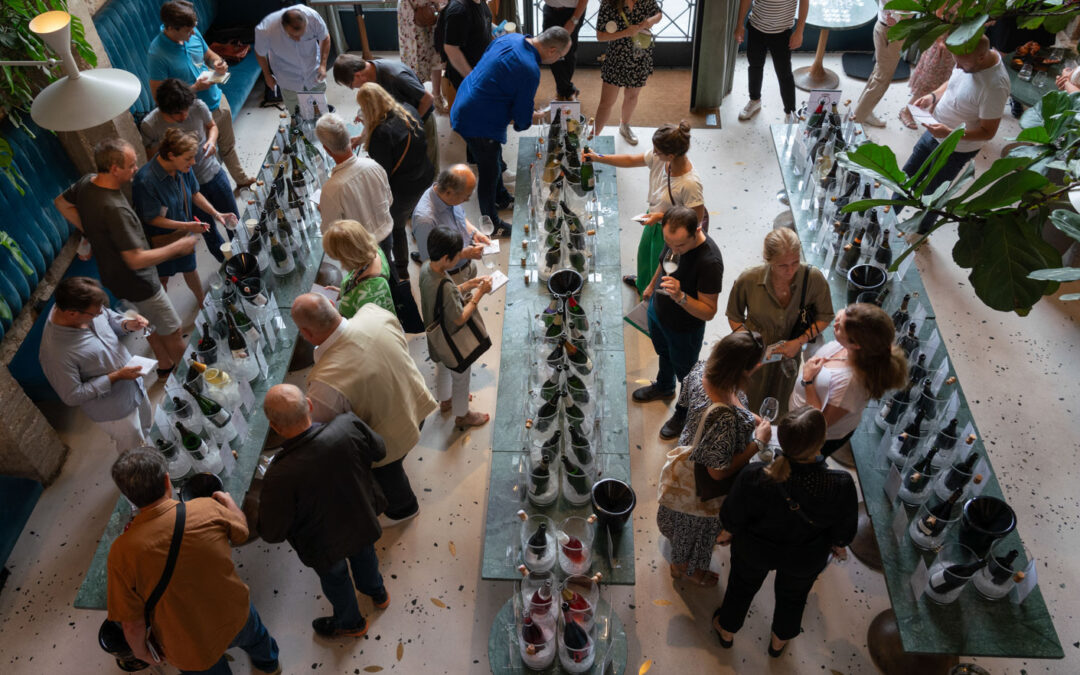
(939,582)
(220,418)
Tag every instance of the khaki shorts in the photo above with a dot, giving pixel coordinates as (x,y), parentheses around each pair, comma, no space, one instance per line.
(159,311)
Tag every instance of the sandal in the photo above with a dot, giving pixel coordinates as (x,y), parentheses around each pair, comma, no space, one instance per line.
(630,280)
(906,118)
(440,105)
(726,644)
(471,419)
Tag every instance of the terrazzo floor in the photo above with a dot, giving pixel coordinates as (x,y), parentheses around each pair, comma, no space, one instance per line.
(1016,373)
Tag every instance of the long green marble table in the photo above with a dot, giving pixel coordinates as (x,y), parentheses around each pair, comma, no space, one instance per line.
(601,294)
(248,446)
(971,626)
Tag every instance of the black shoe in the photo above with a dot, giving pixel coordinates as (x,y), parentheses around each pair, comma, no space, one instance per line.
(501,229)
(726,644)
(674,426)
(652,392)
(326,627)
(382,601)
(776,653)
(630,280)
(505,203)
(415,257)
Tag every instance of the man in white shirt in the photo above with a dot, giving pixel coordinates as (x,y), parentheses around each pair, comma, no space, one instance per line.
(295,45)
(363,365)
(974,97)
(358,188)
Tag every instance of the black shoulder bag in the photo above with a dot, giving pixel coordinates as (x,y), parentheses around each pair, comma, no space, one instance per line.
(111,635)
(807,315)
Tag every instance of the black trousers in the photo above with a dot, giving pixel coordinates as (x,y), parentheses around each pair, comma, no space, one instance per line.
(400,498)
(563,70)
(776,44)
(791,588)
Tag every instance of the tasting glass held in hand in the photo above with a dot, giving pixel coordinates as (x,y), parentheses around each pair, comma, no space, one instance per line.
(669,264)
(486,227)
(769,408)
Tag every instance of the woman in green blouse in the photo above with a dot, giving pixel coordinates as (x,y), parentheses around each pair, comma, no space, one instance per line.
(367,272)
(766,298)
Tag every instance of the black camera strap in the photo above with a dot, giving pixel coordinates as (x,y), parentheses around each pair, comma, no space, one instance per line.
(170,562)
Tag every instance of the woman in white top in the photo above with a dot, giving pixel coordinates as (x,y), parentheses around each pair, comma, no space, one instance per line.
(673,181)
(859,364)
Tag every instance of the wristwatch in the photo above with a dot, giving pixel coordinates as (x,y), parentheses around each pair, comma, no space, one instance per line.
(682,302)
(806,383)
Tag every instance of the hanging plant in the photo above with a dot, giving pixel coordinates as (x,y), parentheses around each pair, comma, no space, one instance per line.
(20,84)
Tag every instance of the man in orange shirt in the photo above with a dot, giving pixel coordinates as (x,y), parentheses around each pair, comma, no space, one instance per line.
(205,608)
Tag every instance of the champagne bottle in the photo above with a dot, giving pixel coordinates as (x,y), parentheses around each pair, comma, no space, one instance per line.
(283,262)
(537,543)
(541,475)
(540,603)
(919,477)
(551,445)
(191,442)
(834,116)
(927,404)
(907,443)
(577,479)
(552,389)
(577,261)
(179,462)
(575,639)
(852,251)
(316,113)
(582,451)
(207,345)
(577,389)
(557,355)
(167,448)
(917,370)
(1003,571)
(897,405)
(901,316)
(946,438)
(573,549)
(237,344)
(181,410)
(937,517)
(883,254)
(210,408)
(578,357)
(574,414)
(531,634)
(960,474)
(221,326)
(818,116)
(908,342)
(588,173)
(950,578)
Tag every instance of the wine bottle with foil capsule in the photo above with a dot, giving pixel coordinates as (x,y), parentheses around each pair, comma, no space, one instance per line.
(938,516)
(883,255)
(919,477)
(900,316)
(909,341)
(541,475)
(951,577)
(211,409)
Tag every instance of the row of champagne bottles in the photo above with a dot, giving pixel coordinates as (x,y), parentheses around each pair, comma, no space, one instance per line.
(565,154)
(558,619)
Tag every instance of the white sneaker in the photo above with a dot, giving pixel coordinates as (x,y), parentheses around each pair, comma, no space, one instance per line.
(752,107)
(626,132)
(873,120)
(791,118)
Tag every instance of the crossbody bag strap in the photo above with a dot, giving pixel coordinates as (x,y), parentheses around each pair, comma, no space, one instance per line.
(701,422)
(408,142)
(795,506)
(670,194)
(170,562)
(438,318)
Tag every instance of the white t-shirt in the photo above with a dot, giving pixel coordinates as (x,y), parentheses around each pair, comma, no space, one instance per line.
(686,188)
(839,387)
(359,190)
(971,97)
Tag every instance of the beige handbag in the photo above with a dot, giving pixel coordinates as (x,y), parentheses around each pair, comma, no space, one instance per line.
(678,488)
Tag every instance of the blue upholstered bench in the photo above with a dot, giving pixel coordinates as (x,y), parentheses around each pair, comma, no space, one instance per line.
(18,496)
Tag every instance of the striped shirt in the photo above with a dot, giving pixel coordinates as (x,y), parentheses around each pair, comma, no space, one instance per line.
(773,16)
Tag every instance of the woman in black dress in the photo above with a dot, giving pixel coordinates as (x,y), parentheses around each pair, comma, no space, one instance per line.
(624,25)
(394,137)
(788,516)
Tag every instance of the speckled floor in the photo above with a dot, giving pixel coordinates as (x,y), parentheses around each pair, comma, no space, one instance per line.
(1015,373)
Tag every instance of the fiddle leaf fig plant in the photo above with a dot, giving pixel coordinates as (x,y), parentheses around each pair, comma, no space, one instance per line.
(1000,215)
(965,21)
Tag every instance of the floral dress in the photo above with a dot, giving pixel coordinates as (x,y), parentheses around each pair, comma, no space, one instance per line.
(934,68)
(726,433)
(417,44)
(625,66)
(355,295)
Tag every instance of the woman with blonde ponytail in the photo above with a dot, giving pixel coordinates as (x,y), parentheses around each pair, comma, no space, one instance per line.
(786,517)
(860,363)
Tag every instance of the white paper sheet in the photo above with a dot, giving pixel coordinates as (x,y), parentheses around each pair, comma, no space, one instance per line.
(498,280)
(491,248)
(146,365)
(921,115)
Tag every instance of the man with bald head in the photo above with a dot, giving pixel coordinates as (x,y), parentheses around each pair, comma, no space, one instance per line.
(362,365)
(319,494)
(443,205)
(974,97)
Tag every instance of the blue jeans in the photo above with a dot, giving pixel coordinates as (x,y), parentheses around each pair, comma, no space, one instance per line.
(487,153)
(678,350)
(926,145)
(254,639)
(219,193)
(338,588)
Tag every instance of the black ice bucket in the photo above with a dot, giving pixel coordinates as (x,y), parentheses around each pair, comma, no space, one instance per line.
(613,501)
(111,639)
(565,283)
(241,266)
(200,485)
(864,279)
(983,521)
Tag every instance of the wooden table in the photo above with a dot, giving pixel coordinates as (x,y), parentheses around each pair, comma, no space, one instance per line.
(827,15)
(917,634)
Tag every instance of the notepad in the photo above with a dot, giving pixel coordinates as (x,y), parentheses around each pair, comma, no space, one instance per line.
(146,366)
(921,115)
(492,248)
(498,280)
(638,317)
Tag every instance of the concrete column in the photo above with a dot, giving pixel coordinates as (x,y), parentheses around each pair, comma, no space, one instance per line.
(29,447)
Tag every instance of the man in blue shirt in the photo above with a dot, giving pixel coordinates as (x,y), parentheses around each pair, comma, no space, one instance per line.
(498,91)
(442,206)
(180,51)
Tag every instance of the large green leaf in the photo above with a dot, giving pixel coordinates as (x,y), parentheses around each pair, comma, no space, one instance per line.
(1054,24)
(879,161)
(968,242)
(1009,251)
(1067,221)
(905,6)
(934,163)
(1034,135)
(1057,274)
(1007,191)
(864,204)
(999,168)
(963,38)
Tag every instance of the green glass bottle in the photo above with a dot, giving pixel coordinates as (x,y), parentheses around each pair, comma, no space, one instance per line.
(541,476)
(210,408)
(577,479)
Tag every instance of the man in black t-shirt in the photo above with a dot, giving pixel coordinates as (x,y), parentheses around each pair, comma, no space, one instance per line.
(681,301)
(468,33)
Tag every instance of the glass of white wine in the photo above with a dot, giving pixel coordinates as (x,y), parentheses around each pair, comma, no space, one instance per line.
(769,408)
(670,263)
(131,312)
(486,227)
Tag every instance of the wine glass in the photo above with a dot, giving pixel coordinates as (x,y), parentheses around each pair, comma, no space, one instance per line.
(670,263)
(789,367)
(486,227)
(130,311)
(769,408)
